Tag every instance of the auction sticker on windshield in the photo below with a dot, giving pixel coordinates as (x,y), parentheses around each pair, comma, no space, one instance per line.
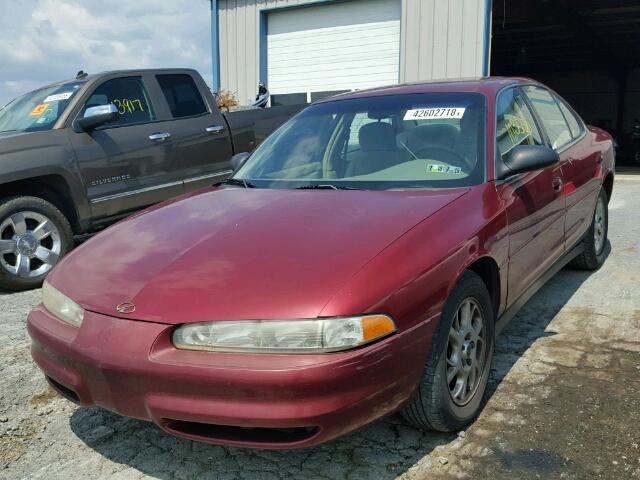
(439,112)
(39,110)
(58,96)
(443,169)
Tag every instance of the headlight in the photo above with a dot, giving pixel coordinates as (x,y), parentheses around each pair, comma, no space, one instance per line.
(61,306)
(283,336)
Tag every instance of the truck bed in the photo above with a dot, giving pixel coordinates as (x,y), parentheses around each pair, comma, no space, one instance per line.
(250,127)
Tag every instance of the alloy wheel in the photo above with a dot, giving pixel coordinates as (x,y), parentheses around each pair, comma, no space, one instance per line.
(599,227)
(466,352)
(30,244)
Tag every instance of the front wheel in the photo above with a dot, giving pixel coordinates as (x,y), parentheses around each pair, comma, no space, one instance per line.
(34,235)
(450,392)
(595,240)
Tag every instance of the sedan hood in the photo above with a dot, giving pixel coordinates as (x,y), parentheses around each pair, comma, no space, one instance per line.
(233,253)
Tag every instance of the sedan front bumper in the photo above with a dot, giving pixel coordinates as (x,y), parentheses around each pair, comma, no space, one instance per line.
(251,400)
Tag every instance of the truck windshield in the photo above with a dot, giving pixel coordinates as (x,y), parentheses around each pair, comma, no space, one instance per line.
(37,110)
(431,140)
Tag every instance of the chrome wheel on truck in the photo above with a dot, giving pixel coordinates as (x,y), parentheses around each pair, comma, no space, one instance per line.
(30,244)
(34,235)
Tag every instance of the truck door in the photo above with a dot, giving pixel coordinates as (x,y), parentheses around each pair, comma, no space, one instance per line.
(127,164)
(198,131)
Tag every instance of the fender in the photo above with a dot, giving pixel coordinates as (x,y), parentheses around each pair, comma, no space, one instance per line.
(26,156)
(414,289)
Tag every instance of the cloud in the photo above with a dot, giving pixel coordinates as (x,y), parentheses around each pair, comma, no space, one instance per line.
(44,41)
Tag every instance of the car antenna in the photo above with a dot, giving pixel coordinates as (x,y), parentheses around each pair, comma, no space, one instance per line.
(81,74)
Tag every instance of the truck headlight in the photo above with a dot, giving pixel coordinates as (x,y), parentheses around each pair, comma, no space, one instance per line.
(61,306)
(283,336)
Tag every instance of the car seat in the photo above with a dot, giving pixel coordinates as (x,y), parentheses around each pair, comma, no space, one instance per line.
(378,149)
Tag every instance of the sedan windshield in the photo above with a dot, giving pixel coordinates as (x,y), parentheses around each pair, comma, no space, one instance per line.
(433,140)
(37,110)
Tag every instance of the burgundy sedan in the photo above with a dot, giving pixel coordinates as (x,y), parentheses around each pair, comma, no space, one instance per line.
(359,262)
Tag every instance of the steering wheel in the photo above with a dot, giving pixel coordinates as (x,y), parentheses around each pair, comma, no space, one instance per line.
(458,160)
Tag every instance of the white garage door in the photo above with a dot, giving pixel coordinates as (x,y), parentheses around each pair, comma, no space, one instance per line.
(333,47)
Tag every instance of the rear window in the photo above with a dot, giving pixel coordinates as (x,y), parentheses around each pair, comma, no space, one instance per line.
(572,121)
(182,95)
(552,118)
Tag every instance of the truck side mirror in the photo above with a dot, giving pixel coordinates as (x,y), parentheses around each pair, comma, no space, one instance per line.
(238,160)
(97,116)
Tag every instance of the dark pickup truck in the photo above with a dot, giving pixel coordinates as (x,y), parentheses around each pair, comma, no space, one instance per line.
(77,155)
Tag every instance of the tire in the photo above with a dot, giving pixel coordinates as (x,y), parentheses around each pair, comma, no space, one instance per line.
(432,405)
(593,253)
(34,236)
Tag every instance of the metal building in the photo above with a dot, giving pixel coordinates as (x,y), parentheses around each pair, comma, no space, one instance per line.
(306,49)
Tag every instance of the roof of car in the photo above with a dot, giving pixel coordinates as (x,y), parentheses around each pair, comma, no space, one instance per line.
(486,85)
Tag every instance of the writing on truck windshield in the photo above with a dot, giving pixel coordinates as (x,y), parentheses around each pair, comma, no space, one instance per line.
(431,140)
(37,110)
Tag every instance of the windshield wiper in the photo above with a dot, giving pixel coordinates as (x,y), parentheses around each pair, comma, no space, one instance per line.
(237,181)
(325,186)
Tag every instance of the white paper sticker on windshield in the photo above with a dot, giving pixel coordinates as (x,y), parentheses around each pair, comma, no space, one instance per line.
(434,113)
(58,96)
(434,168)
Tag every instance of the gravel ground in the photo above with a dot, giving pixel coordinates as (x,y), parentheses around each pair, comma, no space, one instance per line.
(563,401)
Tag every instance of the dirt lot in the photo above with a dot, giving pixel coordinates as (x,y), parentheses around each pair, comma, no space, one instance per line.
(564,401)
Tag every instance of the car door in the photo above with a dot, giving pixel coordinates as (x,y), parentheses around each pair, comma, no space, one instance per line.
(533,200)
(578,166)
(198,131)
(582,176)
(127,164)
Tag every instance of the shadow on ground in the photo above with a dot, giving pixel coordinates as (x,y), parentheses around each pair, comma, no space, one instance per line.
(380,451)
(532,321)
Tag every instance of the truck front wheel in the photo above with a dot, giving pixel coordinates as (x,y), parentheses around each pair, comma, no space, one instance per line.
(34,235)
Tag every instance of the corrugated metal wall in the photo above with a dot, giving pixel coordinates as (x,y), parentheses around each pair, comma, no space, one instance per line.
(439,39)
(442,39)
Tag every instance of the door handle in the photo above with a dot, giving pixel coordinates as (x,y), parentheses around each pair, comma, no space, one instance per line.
(214,129)
(557,184)
(159,136)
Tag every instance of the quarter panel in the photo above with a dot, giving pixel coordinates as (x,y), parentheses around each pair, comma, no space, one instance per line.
(584,174)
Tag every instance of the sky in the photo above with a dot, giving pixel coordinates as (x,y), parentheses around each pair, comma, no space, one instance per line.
(43,41)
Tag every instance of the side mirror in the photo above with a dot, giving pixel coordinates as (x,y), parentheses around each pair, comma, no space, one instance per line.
(97,116)
(238,160)
(526,158)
